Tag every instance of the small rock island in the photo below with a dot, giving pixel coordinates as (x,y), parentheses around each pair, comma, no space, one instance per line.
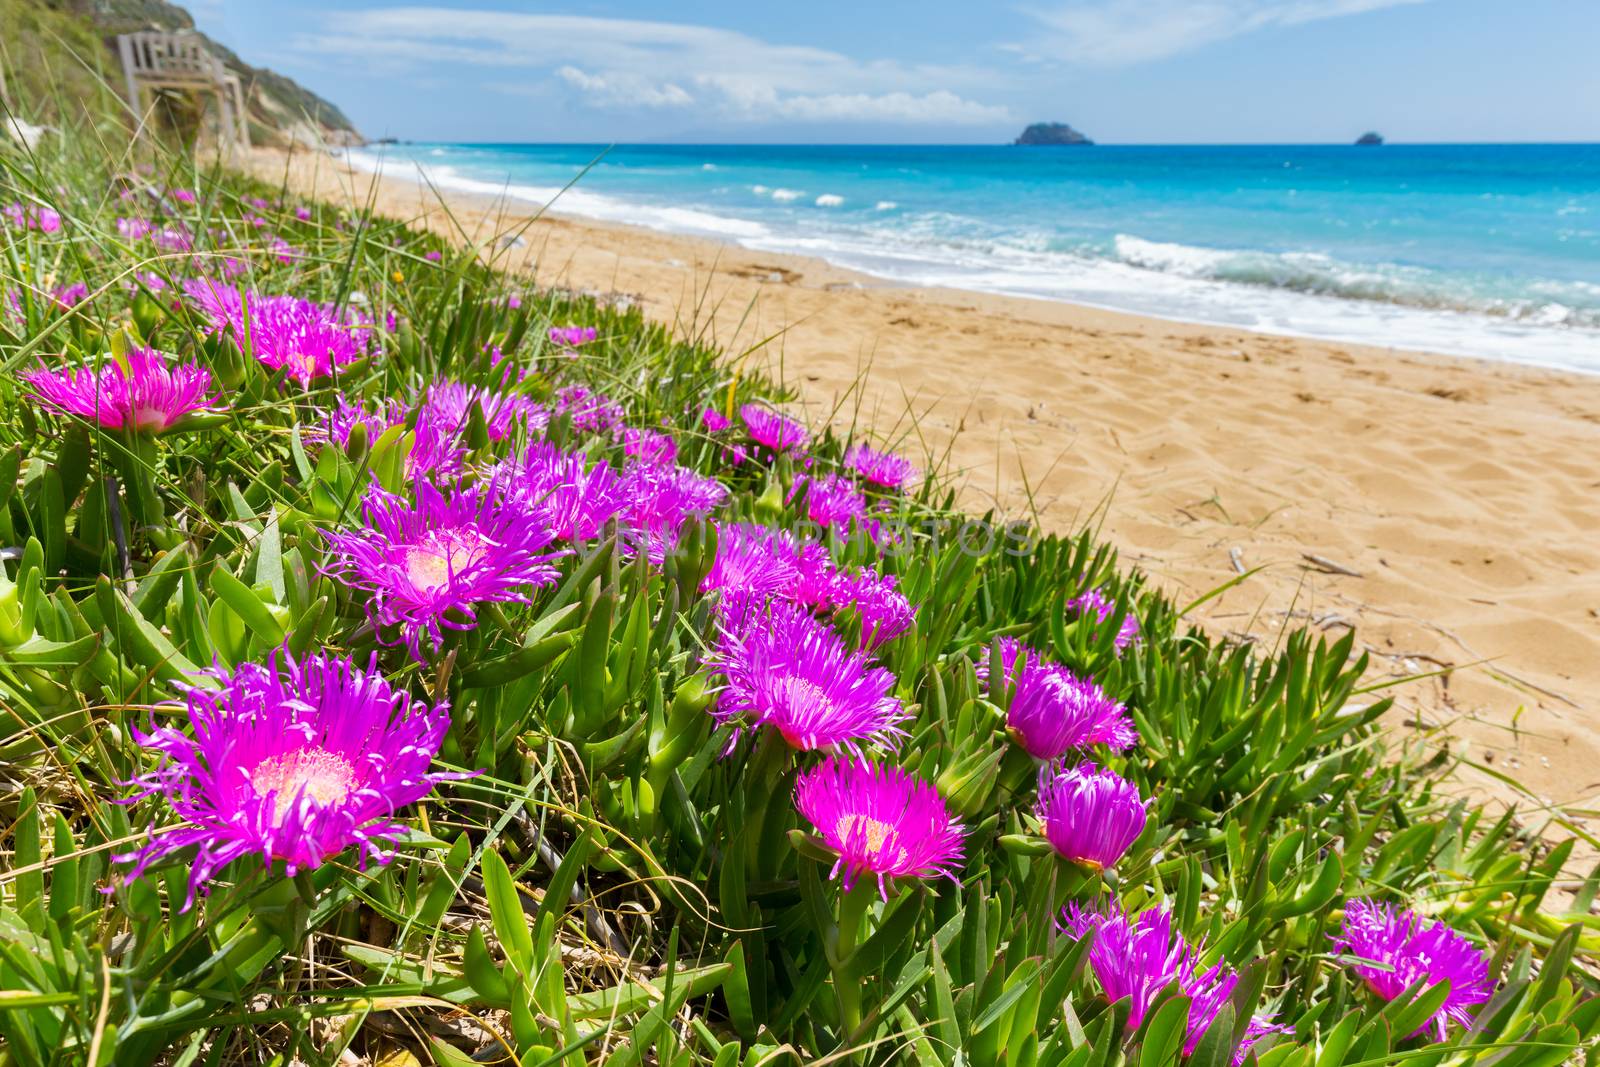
(1055,133)
(1370,138)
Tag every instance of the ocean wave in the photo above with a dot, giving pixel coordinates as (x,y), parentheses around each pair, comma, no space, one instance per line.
(573,201)
(1545,303)
(885,205)
(829,200)
(787,194)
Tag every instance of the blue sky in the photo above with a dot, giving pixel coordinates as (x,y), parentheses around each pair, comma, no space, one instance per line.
(937,71)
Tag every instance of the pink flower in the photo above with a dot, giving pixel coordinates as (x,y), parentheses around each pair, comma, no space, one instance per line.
(426,566)
(148,395)
(292,762)
(882,822)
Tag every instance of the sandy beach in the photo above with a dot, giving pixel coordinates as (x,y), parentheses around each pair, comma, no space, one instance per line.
(1446,508)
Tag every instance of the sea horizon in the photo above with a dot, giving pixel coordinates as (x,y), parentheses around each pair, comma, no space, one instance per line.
(1482,250)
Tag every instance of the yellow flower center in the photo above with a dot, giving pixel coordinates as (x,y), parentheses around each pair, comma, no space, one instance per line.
(878,832)
(325,777)
(440,557)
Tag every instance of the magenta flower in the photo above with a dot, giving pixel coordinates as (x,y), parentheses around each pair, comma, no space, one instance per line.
(434,450)
(752,565)
(294,761)
(182,196)
(427,565)
(787,670)
(661,499)
(1053,711)
(884,611)
(434,256)
(303,214)
(649,446)
(577,498)
(881,821)
(32,217)
(304,339)
(1413,949)
(590,411)
(832,501)
(1091,816)
(775,432)
(70,296)
(1208,992)
(714,421)
(1139,956)
(450,404)
(1133,956)
(572,336)
(817,580)
(883,469)
(1100,606)
(148,395)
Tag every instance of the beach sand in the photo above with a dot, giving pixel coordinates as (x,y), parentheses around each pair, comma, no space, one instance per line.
(1462,496)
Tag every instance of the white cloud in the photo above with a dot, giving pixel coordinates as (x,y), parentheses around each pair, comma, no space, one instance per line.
(632,63)
(624,91)
(1117,32)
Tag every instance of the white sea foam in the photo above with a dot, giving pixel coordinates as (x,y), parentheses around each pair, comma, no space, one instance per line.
(787,194)
(885,205)
(708,166)
(571,201)
(829,200)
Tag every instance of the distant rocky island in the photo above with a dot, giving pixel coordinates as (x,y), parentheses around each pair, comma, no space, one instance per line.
(1370,138)
(1051,133)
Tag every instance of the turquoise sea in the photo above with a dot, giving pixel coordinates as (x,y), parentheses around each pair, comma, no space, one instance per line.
(1479,250)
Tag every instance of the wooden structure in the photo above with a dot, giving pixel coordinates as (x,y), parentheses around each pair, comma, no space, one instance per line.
(179,61)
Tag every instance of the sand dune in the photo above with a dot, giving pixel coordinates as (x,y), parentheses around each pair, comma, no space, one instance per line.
(1463,497)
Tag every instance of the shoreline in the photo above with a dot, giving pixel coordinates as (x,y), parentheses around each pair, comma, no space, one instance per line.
(1112,282)
(1455,488)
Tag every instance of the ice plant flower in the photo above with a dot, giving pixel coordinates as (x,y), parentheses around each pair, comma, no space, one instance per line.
(450,405)
(1140,956)
(1414,949)
(590,411)
(1094,602)
(293,761)
(884,611)
(427,565)
(577,497)
(1090,816)
(661,499)
(883,469)
(831,501)
(305,339)
(1053,711)
(714,421)
(788,670)
(649,446)
(817,579)
(1133,956)
(148,395)
(882,822)
(434,450)
(752,565)
(572,336)
(1208,991)
(771,430)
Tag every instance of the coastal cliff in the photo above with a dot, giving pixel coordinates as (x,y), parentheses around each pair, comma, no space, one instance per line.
(1051,133)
